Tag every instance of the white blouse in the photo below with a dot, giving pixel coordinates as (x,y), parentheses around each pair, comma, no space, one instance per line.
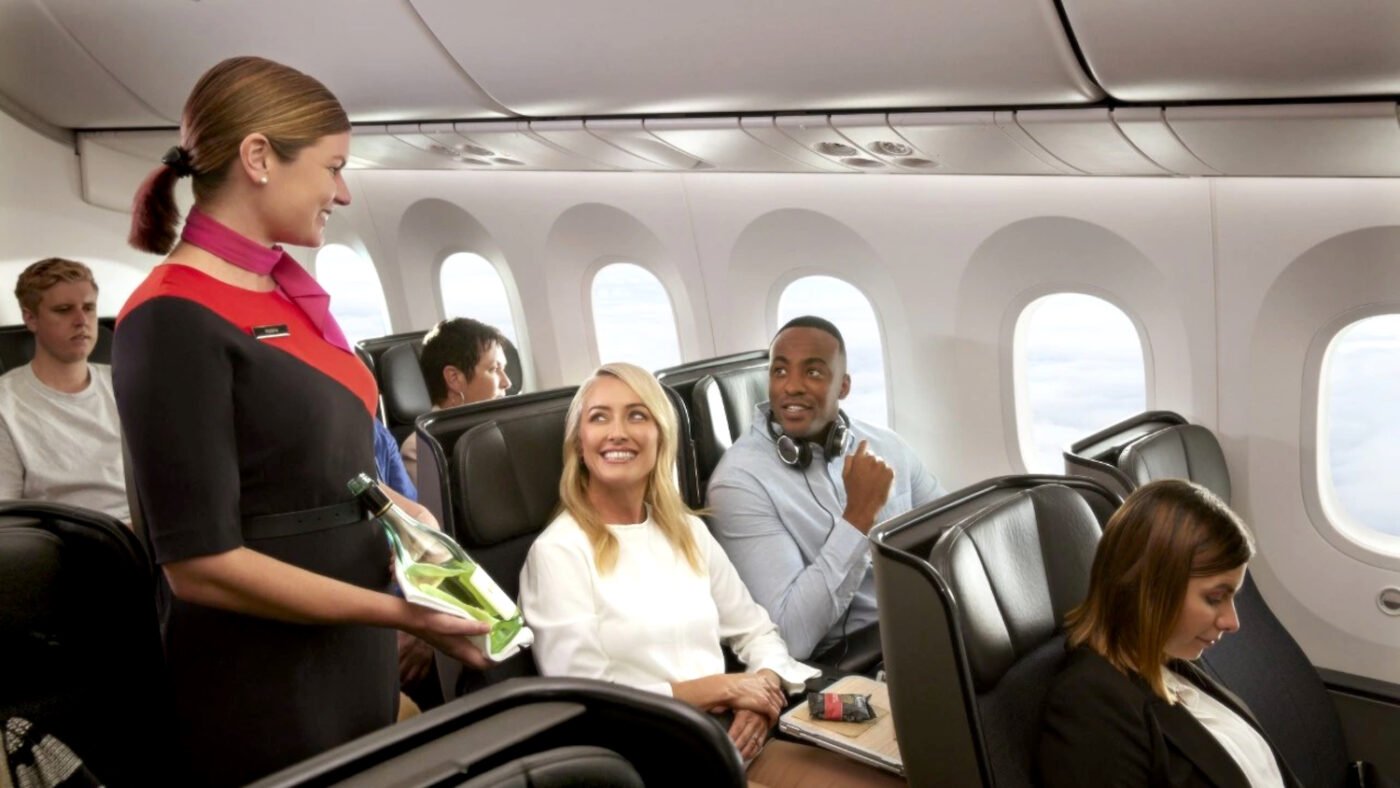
(650,621)
(1238,737)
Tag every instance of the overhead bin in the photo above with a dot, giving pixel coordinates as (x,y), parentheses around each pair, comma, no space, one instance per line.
(1204,50)
(975,143)
(113,165)
(609,57)
(45,71)
(1349,139)
(377,58)
(725,144)
(1087,140)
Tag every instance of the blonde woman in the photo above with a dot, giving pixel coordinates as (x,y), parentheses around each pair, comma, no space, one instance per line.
(627,585)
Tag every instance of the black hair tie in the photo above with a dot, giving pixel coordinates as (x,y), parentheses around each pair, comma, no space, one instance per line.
(178,159)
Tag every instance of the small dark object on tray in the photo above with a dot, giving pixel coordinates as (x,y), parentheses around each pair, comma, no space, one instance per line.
(839,707)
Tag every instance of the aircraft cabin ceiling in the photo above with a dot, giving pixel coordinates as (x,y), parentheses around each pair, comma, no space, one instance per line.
(894,86)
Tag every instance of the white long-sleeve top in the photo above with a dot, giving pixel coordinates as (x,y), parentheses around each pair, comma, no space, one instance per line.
(651,620)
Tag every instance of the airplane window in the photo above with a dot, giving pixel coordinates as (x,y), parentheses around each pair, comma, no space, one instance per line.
(357,297)
(472,287)
(633,317)
(1079,368)
(1360,438)
(846,306)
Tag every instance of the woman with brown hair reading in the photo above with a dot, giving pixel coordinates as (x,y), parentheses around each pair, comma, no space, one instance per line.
(246,413)
(1129,707)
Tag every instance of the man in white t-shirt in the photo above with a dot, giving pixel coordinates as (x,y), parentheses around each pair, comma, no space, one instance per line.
(60,438)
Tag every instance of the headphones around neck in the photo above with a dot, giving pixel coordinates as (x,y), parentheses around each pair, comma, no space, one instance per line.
(798,453)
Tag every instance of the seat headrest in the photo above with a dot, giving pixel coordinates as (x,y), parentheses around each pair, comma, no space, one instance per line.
(404,390)
(514,370)
(506,475)
(1187,451)
(724,406)
(17,346)
(1015,569)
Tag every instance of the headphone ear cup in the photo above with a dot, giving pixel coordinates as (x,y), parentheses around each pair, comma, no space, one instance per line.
(804,455)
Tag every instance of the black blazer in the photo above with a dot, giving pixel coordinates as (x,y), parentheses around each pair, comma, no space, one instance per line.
(1104,728)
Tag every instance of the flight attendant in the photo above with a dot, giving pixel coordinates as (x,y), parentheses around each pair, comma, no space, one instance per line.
(627,585)
(1130,707)
(246,413)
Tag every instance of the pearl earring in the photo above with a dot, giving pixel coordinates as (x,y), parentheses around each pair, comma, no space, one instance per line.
(263,180)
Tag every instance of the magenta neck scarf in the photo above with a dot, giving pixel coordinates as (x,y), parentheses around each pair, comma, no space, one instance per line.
(291,278)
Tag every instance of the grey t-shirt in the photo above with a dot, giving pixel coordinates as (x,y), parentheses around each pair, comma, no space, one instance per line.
(62,447)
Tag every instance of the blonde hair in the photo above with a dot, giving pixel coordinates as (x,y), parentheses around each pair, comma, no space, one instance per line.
(1164,534)
(237,97)
(39,277)
(668,510)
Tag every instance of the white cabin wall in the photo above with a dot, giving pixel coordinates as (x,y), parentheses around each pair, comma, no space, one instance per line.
(1294,257)
(947,262)
(42,214)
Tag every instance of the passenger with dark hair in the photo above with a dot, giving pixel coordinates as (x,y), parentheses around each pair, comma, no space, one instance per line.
(627,585)
(246,414)
(1130,707)
(793,499)
(60,437)
(463,361)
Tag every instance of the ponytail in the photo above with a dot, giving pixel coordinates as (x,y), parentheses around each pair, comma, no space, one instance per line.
(154,212)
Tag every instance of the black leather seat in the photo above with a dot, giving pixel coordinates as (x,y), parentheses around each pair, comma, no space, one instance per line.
(495,493)
(403,392)
(1261,663)
(80,642)
(683,377)
(17,344)
(722,393)
(402,388)
(982,578)
(535,732)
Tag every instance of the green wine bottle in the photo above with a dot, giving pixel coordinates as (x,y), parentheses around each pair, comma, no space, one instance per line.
(434,571)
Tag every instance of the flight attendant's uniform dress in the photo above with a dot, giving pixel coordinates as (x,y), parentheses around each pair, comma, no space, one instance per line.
(229,435)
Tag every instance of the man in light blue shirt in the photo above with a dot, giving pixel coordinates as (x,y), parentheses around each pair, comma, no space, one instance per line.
(793,499)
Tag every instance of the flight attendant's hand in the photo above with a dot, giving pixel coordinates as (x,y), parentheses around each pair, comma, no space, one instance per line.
(749,732)
(448,634)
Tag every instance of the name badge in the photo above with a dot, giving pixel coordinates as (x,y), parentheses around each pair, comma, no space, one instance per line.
(270,332)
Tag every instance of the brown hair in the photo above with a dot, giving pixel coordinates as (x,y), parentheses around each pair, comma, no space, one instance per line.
(39,277)
(237,97)
(1164,534)
(668,510)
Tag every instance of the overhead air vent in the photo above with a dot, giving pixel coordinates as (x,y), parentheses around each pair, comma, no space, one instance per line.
(509,162)
(892,149)
(475,150)
(838,149)
(916,163)
(862,162)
